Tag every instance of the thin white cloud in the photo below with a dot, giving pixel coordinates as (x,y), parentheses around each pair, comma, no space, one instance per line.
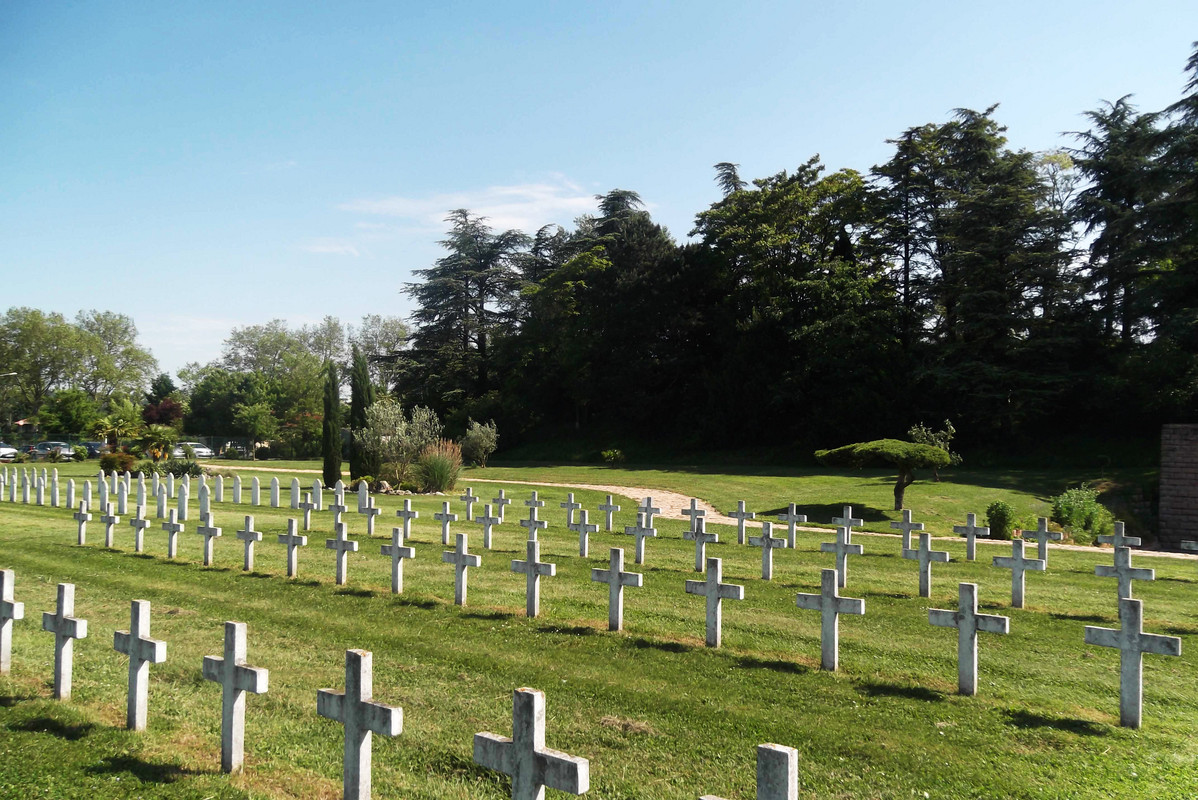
(525,206)
(332,247)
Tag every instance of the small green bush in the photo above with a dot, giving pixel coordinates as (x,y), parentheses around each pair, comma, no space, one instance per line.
(262,453)
(1081,515)
(480,442)
(180,467)
(231,453)
(117,462)
(438,466)
(1000,516)
(612,457)
(146,467)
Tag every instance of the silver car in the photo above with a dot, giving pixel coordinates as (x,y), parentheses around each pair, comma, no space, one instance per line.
(200,449)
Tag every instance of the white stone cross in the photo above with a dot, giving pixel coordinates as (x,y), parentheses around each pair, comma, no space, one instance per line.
(469,498)
(444,517)
(1018,564)
(294,540)
(584,530)
(1042,536)
(534,501)
(767,542)
(570,507)
(362,717)
(274,492)
(142,651)
(343,546)
(256,491)
(848,520)
(338,508)
(295,494)
(370,510)
(616,579)
(907,526)
(398,553)
(715,592)
(792,517)
(1118,539)
(1133,643)
(641,532)
(66,629)
(608,509)
(843,549)
(235,678)
(533,568)
(968,623)
(9,610)
(110,520)
(499,503)
(925,555)
(82,517)
(209,532)
(532,523)
(740,515)
(777,773)
(487,521)
(308,507)
(249,536)
(461,561)
(971,530)
(524,757)
(694,513)
(648,509)
(701,538)
(173,528)
(139,523)
(830,605)
(1124,571)
(407,515)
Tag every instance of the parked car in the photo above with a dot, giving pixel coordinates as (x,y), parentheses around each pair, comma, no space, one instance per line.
(200,449)
(7,452)
(43,449)
(95,449)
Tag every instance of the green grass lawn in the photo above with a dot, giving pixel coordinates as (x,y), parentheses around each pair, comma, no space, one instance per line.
(657,714)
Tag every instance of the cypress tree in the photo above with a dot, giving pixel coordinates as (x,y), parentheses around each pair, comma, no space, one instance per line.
(330,440)
(361,397)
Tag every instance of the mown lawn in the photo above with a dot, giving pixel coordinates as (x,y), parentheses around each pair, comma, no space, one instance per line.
(658,715)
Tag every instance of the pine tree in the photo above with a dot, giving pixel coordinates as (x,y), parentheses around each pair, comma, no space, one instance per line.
(331,428)
(361,397)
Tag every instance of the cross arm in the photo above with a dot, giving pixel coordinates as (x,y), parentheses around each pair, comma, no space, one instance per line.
(255,680)
(938,555)
(811,602)
(943,618)
(992,623)
(214,668)
(383,719)
(732,591)
(564,772)
(1102,637)
(696,587)
(1160,645)
(493,752)
(850,605)
(634,579)
(331,704)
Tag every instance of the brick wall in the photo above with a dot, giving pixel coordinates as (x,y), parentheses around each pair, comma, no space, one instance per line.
(1179,485)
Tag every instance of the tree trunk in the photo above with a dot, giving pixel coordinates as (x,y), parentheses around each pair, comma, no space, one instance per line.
(906,477)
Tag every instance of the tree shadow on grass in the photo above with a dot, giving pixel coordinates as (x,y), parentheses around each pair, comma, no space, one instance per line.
(400,600)
(1081,617)
(823,513)
(143,556)
(1030,719)
(569,630)
(773,664)
(69,732)
(10,700)
(139,768)
(488,615)
(215,569)
(880,689)
(1181,630)
(1176,580)
(356,592)
(653,644)
(257,574)
(889,595)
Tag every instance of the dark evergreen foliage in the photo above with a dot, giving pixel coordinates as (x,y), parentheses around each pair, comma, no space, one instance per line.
(330,440)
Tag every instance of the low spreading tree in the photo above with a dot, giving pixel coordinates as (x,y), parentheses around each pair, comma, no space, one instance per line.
(907,456)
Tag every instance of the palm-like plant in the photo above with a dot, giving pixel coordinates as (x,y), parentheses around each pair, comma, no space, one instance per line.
(158,440)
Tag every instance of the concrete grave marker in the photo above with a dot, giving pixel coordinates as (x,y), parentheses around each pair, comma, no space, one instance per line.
(641,532)
(532,523)
(971,530)
(337,507)
(701,538)
(830,605)
(66,629)
(70,492)
(218,494)
(237,489)
(82,517)
(274,492)
(616,579)
(461,561)
(694,513)
(295,494)
(848,521)
(102,492)
(122,496)
(173,528)
(1042,536)
(777,773)
(1118,539)
(398,553)
(363,496)
(161,502)
(1124,571)
(648,510)
(123,500)
(524,757)
(170,485)
(570,507)
(205,505)
(209,532)
(968,623)
(356,710)
(109,519)
(249,536)
(41,491)
(407,515)
(741,515)
(533,568)
(499,503)
(715,592)
(342,546)
(1133,643)
(293,540)
(792,518)
(370,511)
(487,521)
(534,501)
(308,507)
(1018,565)
(445,517)
(608,509)
(235,678)
(843,549)
(87,493)
(142,651)
(767,542)
(184,498)
(318,493)
(10,610)
(139,523)
(155,483)
(255,491)
(469,499)
(925,555)
(907,526)
(584,530)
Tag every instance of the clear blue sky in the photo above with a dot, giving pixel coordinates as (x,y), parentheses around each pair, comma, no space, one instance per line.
(205,165)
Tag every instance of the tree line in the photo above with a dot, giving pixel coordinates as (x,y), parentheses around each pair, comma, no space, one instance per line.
(1022,294)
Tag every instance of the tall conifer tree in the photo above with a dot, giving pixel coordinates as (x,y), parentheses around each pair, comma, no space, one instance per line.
(330,441)
(361,397)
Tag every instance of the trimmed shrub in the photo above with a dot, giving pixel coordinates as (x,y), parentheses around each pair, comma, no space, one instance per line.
(232,454)
(612,457)
(480,442)
(1081,515)
(262,453)
(1000,516)
(118,462)
(438,466)
(180,467)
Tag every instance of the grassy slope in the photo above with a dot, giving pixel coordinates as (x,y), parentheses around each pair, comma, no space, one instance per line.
(658,714)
